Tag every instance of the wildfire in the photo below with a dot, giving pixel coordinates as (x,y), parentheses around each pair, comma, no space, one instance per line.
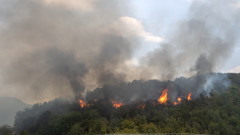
(189,96)
(163,98)
(117,104)
(178,101)
(82,103)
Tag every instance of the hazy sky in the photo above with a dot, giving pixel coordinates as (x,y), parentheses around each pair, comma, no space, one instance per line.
(160,16)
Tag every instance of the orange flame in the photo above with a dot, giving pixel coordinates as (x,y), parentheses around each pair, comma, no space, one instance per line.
(189,96)
(82,103)
(178,101)
(175,103)
(163,98)
(117,104)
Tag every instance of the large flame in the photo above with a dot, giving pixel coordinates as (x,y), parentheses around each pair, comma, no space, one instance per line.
(189,96)
(82,103)
(117,104)
(163,98)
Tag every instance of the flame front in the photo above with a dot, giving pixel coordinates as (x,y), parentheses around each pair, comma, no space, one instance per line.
(163,98)
(117,104)
(189,96)
(82,103)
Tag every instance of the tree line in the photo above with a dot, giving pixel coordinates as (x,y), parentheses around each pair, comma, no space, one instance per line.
(217,114)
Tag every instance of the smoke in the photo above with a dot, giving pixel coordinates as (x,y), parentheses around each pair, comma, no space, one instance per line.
(140,90)
(201,43)
(50,49)
(199,46)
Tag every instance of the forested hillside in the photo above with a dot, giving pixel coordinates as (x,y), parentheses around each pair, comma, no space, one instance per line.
(218,113)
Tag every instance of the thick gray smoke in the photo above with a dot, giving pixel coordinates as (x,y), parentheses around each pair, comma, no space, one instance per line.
(49,50)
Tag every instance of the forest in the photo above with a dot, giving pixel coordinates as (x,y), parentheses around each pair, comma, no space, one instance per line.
(218,113)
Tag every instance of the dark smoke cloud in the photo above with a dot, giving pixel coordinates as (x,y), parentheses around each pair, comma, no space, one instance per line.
(49,51)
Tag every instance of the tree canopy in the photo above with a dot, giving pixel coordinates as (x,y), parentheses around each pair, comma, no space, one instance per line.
(217,114)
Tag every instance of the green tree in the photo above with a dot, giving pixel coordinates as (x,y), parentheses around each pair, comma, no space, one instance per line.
(127,124)
(98,126)
(76,129)
(149,128)
(140,119)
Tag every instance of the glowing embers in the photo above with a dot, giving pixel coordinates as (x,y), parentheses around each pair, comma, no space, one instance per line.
(179,100)
(82,103)
(189,96)
(163,98)
(117,104)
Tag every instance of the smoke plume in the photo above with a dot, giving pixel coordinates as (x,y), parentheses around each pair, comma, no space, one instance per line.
(201,43)
(52,50)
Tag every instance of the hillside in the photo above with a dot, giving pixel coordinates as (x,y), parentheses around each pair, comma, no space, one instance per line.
(214,114)
(8,108)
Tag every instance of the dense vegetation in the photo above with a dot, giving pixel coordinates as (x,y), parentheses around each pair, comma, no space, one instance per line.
(217,114)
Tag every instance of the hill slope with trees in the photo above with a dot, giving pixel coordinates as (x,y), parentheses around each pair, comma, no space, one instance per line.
(217,114)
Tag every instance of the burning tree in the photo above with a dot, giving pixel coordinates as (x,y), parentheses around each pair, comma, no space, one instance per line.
(163,98)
